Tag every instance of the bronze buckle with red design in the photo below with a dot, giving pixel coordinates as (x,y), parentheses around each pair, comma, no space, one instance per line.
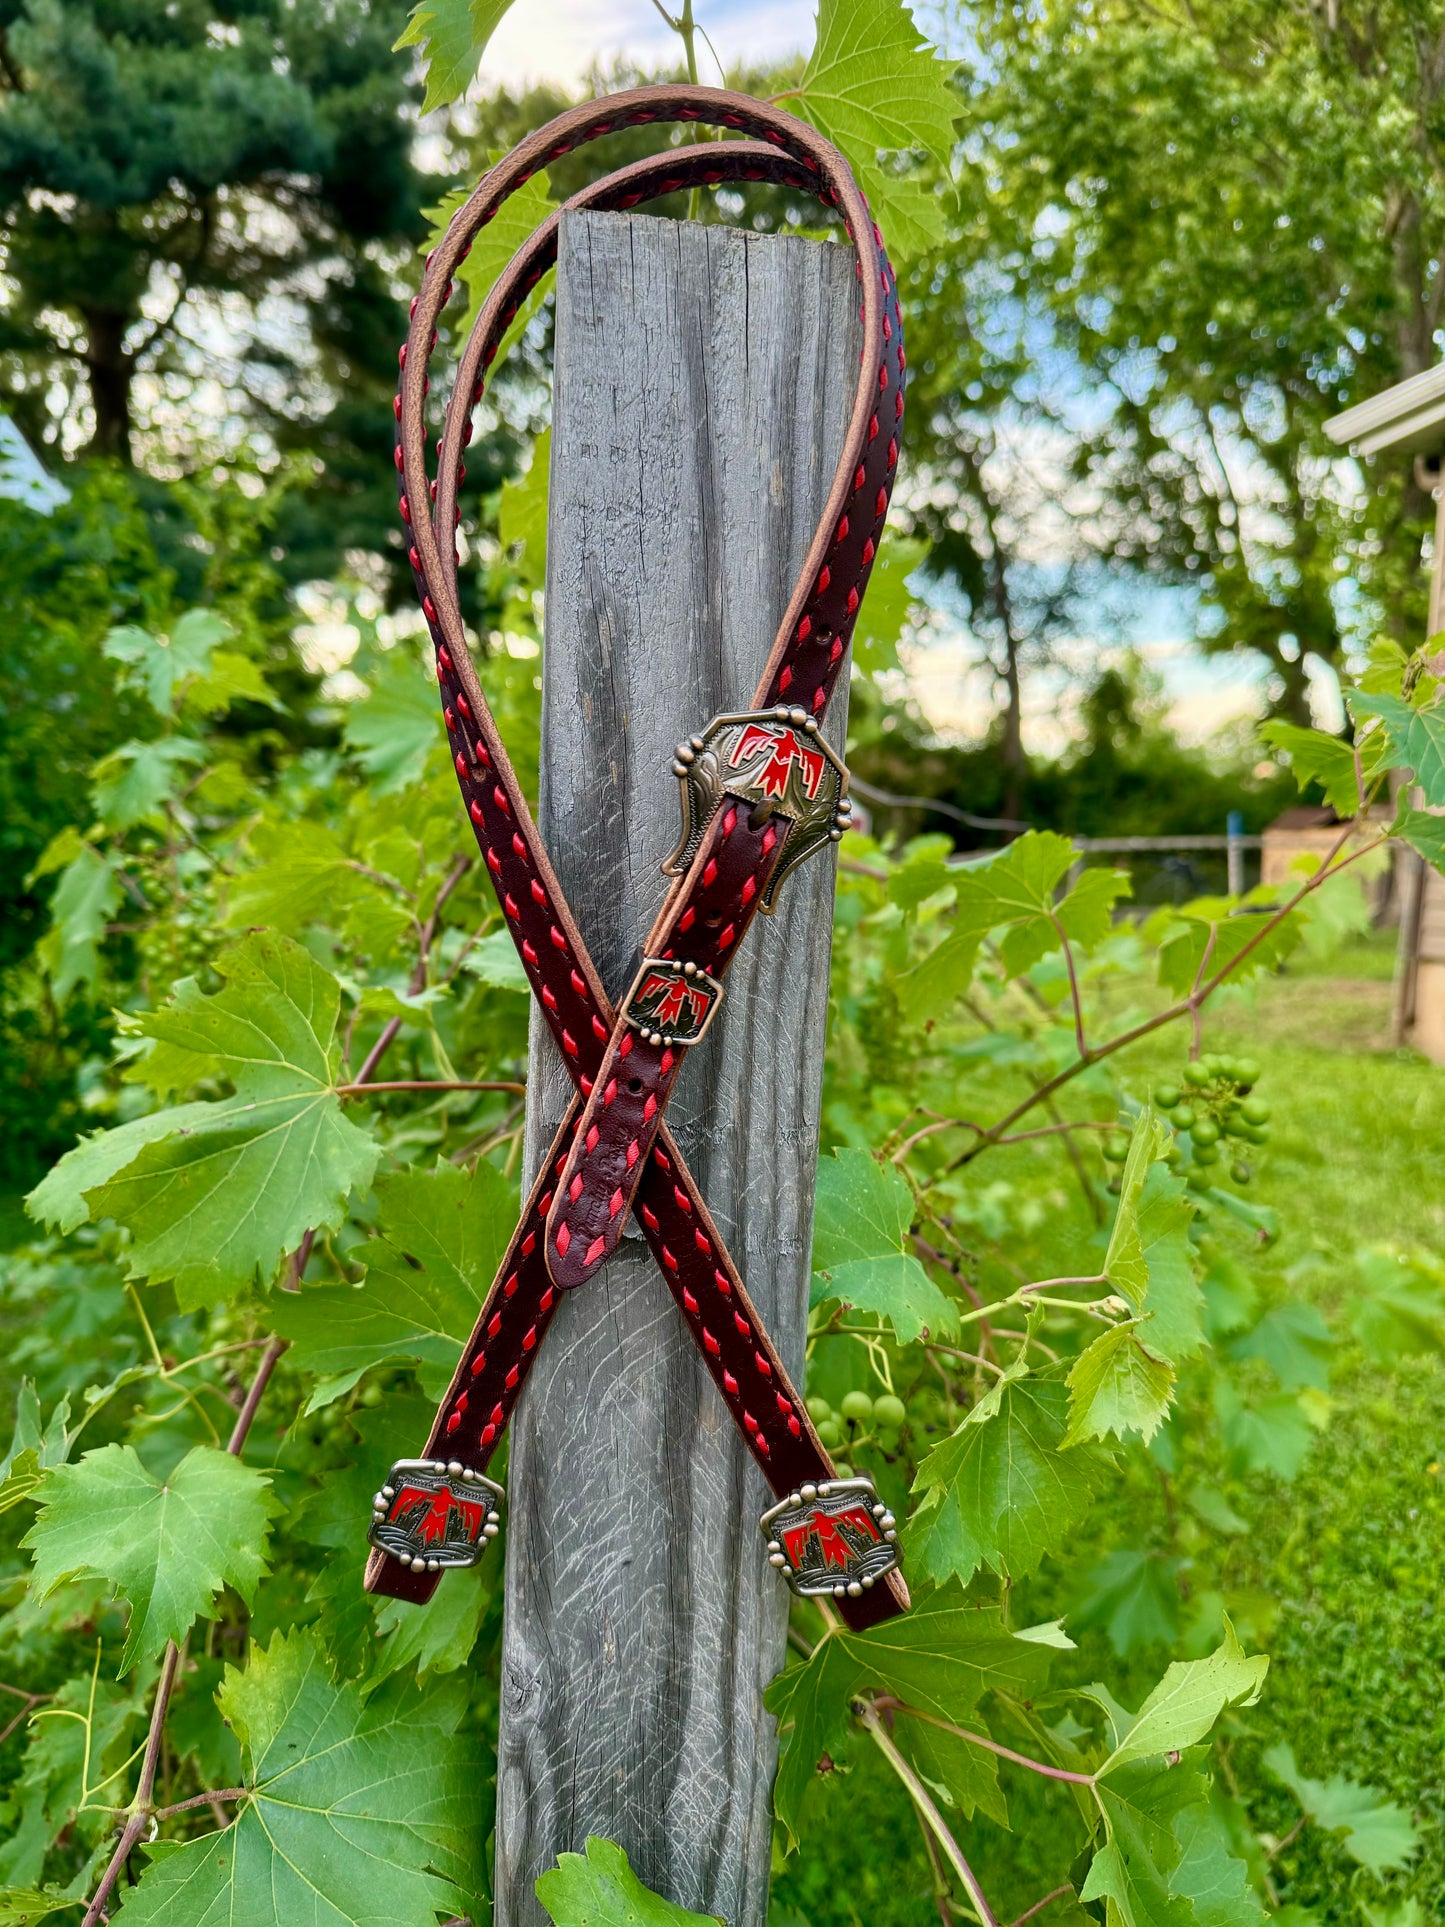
(837,1537)
(671,1003)
(776,760)
(435,1514)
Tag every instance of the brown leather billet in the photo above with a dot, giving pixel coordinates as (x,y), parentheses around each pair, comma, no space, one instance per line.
(614,1139)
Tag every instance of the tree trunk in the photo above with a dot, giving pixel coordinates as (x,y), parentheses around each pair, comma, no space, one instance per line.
(110,369)
(703,381)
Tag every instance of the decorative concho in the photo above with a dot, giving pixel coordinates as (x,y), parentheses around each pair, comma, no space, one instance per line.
(670,1002)
(433,1515)
(837,1537)
(774,759)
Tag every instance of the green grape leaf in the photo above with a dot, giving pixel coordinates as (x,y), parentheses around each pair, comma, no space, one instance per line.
(1414,738)
(86,898)
(1185,1704)
(1207,935)
(304,877)
(601,1890)
(134,780)
(1269,1435)
(940,1658)
(922,874)
(810,1703)
(1087,912)
(931,987)
(59,1200)
(522,513)
(1401,1310)
(860,1231)
(436,1641)
(959,1773)
(441,1237)
(1125,1265)
(513,224)
(20,1906)
(1374,1831)
(999,1492)
(453,36)
(888,603)
(161,667)
(1117,1385)
(1173,1304)
(215,1194)
(34,1447)
(494,961)
(1013,891)
(1133,1871)
(1296,1344)
(873,85)
(168,1546)
(1134,1596)
(396,730)
(1316,757)
(1422,830)
(1409,1913)
(360,1811)
(229,679)
(1209,1875)
(83,1735)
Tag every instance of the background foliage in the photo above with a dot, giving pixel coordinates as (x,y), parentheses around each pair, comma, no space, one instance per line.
(1126,1290)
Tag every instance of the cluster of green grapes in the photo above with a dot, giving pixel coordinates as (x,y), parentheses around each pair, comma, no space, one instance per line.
(859,1420)
(182,941)
(1214,1105)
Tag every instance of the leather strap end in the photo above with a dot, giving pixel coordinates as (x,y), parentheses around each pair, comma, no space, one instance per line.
(882,1602)
(609,1153)
(390,1579)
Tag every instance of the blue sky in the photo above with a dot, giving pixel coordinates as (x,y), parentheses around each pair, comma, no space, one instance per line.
(557,39)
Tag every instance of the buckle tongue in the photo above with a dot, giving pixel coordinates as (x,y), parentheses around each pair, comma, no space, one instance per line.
(774,759)
(435,1514)
(836,1537)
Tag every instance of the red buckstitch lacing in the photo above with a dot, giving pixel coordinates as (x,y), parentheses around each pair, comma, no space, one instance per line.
(676,1223)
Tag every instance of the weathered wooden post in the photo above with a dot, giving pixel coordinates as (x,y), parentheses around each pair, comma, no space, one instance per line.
(703,382)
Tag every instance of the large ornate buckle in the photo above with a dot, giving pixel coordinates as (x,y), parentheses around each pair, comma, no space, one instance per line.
(774,759)
(837,1537)
(671,1003)
(433,1514)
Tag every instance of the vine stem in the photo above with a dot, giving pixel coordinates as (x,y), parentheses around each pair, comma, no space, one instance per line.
(1039,1905)
(418,976)
(1185,1007)
(367,1085)
(1019,1137)
(990,1746)
(142,1812)
(929,1813)
(29,1702)
(231,1793)
(1080,1041)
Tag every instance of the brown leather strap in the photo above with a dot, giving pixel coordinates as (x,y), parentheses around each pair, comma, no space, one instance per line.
(623,1079)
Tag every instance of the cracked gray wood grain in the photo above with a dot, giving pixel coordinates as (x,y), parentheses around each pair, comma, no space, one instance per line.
(703,383)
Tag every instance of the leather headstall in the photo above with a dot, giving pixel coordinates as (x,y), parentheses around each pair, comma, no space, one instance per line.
(760,791)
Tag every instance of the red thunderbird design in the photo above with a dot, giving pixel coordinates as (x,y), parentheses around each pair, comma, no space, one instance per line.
(783,750)
(430,1525)
(676,992)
